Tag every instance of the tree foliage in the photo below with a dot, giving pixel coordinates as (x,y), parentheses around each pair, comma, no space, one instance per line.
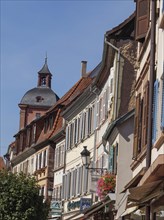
(20,199)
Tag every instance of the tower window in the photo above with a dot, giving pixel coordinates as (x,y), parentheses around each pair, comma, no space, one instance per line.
(43,81)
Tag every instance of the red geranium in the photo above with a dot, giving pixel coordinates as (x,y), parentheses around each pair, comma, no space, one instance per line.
(106,184)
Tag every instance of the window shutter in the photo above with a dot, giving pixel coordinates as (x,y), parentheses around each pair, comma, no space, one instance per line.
(97,114)
(106,102)
(136,126)
(155,107)
(145,114)
(74,181)
(142,18)
(66,143)
(71,183)
(87,123)
(64,187)
(80,128)
(104,106)
(162,112)
(77,181)
(80,180)
(111,159)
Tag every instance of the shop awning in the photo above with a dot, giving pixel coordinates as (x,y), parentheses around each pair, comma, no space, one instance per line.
(129,210)
(98,206)
(145,192)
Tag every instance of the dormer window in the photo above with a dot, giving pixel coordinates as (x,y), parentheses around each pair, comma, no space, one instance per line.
(39,99)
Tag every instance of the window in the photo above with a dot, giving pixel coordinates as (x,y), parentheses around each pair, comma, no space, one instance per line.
(44,158)
(46,124)
(33,133)
(59,156)
(39,98)
(21,141)
(28,133)
(51,119)
(43,81)
(80,128)
(75,183)
(32,166)
(42,191)
(113,151)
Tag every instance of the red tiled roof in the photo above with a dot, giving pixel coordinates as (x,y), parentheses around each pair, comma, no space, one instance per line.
(68,98)
(73,93)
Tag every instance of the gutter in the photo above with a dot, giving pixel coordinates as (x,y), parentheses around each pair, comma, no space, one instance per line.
(152,77)
(117,75)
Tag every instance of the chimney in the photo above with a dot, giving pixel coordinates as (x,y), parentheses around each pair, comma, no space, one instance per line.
(83,68)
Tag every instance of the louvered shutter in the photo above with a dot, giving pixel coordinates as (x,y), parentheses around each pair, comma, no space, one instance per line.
(97,114)
(63,186)
(155,107)
(77,181)
(80,180)
(87,123)
(145,114)
(162,112)
(80,128)
(74,181)
(142,18)
(104,106)
(66,139)
(136,126)
(111,159)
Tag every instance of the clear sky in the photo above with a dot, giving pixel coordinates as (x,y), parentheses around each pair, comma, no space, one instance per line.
(69,31)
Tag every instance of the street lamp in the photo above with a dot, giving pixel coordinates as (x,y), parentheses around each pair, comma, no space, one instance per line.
(85,156)
(50,191)
(86,160)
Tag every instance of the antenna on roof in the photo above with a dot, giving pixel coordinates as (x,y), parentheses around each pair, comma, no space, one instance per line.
(46,58)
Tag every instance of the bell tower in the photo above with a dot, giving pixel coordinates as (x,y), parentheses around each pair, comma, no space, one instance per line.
(44,76)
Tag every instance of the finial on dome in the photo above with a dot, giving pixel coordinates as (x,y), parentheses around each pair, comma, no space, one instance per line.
(46,58)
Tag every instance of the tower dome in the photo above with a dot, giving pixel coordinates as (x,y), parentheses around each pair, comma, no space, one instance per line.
(39,99)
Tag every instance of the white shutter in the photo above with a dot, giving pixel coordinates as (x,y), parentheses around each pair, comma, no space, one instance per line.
(77,181)
(86,123)
(104,106)
(42,158)
(80,180)
(64,186)
(66,138)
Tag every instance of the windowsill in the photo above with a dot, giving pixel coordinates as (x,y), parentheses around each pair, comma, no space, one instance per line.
(162,22)
(58,168)
(158,143)
(139,159)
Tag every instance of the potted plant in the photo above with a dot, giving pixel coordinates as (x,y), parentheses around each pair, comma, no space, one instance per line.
(106,184)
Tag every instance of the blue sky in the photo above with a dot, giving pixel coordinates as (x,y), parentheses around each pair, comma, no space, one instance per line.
(69,31)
